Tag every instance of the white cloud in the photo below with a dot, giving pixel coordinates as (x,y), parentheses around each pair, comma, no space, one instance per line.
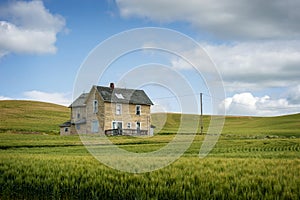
(161,106)
(197,57)
(57,98)
(5,98)
(28,27)
(225,19)
(247,104)
(250,65)
(257,65)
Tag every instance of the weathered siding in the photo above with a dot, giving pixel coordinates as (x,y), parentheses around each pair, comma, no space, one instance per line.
(128,115)
(80,128)
(78,114)
(91,116)
(78,110)
(70,130)
(106,114)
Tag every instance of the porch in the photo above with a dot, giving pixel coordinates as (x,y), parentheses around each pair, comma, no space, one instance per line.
(125,132)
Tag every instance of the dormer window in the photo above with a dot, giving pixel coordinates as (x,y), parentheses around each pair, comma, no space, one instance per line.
(95,106)
(138,110)
(119,96)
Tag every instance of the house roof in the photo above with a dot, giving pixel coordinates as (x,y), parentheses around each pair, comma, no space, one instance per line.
(66,124)
(122,95)
(80,101)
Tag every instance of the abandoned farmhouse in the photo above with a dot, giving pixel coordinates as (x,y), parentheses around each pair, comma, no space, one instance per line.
(110,111)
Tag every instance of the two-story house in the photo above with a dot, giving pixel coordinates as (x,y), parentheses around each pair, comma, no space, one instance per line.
(110,111)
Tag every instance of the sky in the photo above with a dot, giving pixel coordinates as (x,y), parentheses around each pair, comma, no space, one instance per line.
(254,46)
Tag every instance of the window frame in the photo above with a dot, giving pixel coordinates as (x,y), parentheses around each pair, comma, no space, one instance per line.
(140,125)
(118,111)
(117,123)
(95,106)
(138,111)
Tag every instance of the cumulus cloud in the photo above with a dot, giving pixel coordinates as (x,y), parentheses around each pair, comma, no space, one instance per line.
(57,98)
(225,19)
(28,27)
(260,49)
(257,65)
(250,65)
(247,104)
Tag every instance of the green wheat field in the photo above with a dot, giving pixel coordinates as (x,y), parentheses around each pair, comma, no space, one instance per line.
(254,158)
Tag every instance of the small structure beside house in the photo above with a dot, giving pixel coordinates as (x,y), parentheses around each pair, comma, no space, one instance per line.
(110,111)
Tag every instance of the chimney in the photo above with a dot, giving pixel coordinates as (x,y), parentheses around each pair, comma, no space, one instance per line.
(112,86)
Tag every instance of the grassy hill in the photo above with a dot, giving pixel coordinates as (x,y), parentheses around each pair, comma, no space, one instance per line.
(31,116)
(286,126)
(283,126)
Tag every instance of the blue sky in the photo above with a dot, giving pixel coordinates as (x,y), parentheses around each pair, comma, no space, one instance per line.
(255,45)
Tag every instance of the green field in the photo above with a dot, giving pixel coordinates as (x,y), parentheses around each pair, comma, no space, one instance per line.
(39,117)
(255,158)
(236,126)
(31,116)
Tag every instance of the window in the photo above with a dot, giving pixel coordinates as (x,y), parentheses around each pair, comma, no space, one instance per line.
(118,109)
(95,106)
(129,125)
(117,125)
(66,129)
(78,126)
(78,115)
(95,126)
(138,110)
(138,126)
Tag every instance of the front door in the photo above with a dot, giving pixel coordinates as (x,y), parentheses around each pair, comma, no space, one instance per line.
(95,126)
(117,126)
(138,127)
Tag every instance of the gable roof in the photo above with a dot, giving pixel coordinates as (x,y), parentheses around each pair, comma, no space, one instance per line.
(122,95)
(66,124)
(80,101)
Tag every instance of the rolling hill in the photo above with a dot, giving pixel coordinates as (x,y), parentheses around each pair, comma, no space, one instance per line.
(40,117)
(31,116)
(282,126)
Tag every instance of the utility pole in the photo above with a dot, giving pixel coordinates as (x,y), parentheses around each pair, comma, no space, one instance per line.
(201,113)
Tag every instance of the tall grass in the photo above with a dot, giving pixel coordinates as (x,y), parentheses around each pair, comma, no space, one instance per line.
(54,167)
(50,177)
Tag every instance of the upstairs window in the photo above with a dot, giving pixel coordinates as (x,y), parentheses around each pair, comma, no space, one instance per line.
(118,109)
(138,110)
(95,106)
